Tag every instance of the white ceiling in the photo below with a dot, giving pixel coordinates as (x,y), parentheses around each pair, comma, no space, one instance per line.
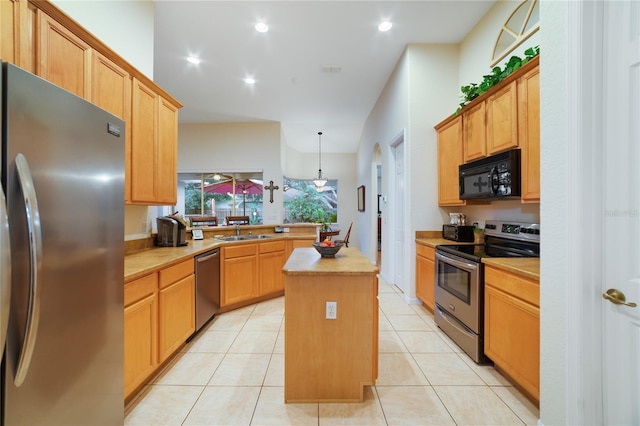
(287,61)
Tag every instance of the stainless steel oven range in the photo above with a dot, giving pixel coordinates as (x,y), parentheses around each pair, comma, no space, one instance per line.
(459,280)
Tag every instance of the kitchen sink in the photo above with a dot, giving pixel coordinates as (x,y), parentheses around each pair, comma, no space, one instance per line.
(243,237)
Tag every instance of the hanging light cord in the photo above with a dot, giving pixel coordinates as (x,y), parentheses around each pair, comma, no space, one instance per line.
(319,155)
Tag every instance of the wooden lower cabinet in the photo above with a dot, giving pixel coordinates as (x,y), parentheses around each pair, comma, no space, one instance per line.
(239,270)
(159,315)
(512,327)
(425,275)
(176,313)
(298,243)
(330,360)
(270,262)
(140,331)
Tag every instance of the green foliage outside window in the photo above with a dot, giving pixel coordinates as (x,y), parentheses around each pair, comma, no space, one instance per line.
(304,203)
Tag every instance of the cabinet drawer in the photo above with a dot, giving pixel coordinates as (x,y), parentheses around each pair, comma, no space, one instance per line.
(272,246)
(176,272)
(139,289)
(425,251)
(240,251)
(523,288)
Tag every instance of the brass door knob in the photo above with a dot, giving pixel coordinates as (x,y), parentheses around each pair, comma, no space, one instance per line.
(614,295)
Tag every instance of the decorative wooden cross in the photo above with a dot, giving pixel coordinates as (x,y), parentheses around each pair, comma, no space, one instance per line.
(271,188)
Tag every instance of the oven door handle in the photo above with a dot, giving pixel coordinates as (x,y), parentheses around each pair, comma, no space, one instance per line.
(457,263)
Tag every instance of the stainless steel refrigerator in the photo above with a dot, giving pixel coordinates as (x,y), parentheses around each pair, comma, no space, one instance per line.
(62,256)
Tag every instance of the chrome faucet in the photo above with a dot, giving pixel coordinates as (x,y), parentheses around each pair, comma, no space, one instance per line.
(237,230)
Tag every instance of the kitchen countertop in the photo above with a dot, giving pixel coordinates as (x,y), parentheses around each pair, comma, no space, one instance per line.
(526,266)
(144,262)
(348,261)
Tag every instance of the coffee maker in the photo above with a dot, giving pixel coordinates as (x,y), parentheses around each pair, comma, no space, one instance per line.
(171,232)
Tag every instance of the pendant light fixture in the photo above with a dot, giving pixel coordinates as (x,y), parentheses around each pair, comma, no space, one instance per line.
(320,181)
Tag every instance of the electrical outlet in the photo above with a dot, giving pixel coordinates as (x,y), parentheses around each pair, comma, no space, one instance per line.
(332,310)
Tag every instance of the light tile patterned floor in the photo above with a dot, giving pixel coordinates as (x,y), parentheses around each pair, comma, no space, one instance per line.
(232,373)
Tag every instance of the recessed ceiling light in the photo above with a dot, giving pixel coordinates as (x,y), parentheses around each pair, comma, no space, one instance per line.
(261,27)
(385,26)
(193,60)
(250,80)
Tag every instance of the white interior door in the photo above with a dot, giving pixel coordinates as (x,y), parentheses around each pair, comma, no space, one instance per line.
(399,223)
(621,216)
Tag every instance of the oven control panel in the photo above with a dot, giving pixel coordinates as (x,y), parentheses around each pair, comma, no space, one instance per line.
(515,230)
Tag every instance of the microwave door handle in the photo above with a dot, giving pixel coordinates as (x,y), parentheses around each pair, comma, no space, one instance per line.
(35,258)
(493,180)
(5,270)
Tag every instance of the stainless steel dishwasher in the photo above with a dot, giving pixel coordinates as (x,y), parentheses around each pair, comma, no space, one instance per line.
(207,286)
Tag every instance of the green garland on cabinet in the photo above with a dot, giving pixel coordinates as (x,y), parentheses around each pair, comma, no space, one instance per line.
(498,74)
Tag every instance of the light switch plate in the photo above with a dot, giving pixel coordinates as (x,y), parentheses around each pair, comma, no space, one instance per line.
(197,234)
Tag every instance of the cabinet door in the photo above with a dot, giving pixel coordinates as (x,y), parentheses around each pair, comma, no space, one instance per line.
(425,270)
(111,91)
(529,133)
(298,243)
(144,126)
(63,58)
(9,30)
(502,119)
(239,273)
(449,158)
(271,275)
(167,163)
(474,134)
(110,86)
(176,315)
(512,338)
(140,342)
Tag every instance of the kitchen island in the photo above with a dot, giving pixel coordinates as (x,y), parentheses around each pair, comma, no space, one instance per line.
(330,360)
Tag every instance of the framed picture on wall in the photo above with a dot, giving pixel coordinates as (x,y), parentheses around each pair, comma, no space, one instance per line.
(361,198)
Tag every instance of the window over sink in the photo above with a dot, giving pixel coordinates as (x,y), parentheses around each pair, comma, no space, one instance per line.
(221,194)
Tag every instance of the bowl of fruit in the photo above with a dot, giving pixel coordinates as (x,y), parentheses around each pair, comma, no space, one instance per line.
(327,248)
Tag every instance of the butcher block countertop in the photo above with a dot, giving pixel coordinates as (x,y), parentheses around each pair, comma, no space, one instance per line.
(348,261)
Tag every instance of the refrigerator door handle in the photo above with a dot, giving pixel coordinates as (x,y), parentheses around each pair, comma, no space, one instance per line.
(35,257)
(5,270)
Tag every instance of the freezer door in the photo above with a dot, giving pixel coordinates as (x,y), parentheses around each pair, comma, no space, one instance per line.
(76,160)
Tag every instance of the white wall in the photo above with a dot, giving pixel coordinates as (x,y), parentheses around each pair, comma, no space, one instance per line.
(124,26)
(388,119)
(234,147)
(477,47)
(259,146)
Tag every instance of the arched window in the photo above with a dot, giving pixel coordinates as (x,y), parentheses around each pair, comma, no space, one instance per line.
(521,24)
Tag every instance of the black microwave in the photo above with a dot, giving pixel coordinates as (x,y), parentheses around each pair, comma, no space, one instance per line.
(497,176)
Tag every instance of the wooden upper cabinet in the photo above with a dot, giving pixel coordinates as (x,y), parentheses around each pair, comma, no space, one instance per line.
(152,169)
(17,28)
(110,87)
(144,155)
(9,30)
(449,159)
(474,135)
(167,178)
(62,57)
(529,134)
(502,119)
